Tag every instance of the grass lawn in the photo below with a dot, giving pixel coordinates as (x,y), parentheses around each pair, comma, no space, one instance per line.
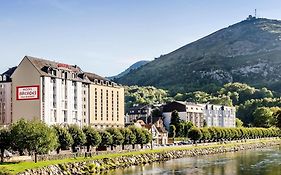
(22,166)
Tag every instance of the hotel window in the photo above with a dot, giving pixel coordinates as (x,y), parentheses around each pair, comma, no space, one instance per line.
(55,115)
(64,116)
(54,72)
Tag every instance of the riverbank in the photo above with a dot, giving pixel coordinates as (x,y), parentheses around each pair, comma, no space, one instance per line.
(107,162)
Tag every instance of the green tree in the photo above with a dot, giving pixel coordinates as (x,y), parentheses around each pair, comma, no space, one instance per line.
(238,123)
(93,137)
(106,138)
(77,135)
(278,117)
(44,139)
(129,137)
(186,127)
(148,136)
(20,136)
(181,129)
(172,131)
(5,141)
(262,117)
(140,135)
(205,134)
(144,95)
(194,134)
(175,120)
(36,137)
(198,96)
(64,138)
(179,97)
(117,137)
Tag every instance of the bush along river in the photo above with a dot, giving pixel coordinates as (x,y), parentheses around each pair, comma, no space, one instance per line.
(261,161)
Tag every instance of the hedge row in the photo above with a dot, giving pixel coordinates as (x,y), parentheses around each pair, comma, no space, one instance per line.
(219,133)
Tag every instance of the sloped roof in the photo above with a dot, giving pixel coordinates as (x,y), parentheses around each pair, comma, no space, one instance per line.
(159,129)
(10,71)
(92,77)
(43,64)
(39,63)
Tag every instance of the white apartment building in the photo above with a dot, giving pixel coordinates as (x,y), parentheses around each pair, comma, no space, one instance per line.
(64,101)
(58,93)
(213,115)
(217,115)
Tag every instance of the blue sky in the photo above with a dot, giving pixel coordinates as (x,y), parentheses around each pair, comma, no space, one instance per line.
(107,36)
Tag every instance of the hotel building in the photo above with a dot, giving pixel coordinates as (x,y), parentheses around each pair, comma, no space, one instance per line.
(58,93)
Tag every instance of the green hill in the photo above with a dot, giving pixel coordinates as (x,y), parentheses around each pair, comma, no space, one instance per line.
(247,52)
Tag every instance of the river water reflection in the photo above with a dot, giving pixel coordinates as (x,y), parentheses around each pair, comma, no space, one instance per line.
(266,161)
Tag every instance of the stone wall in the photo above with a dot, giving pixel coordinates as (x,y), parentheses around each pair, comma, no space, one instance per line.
(101,165)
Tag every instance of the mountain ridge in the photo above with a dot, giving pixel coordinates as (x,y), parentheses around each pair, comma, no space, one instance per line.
(247,52)
(134,66)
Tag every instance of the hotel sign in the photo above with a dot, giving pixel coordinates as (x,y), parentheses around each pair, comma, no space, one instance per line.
(28,92)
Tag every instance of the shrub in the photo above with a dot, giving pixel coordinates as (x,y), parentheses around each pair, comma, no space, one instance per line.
(194,134)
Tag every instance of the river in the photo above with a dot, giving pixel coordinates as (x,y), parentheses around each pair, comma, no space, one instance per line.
(266,161)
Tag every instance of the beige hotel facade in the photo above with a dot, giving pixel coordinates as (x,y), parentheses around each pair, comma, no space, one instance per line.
(58,93)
